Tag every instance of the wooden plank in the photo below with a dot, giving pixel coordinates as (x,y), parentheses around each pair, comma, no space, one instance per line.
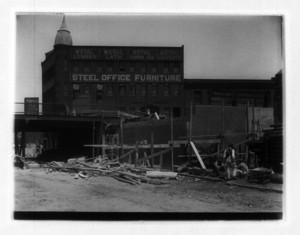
(198,155)
(210,141)
(127,154)
(154,155)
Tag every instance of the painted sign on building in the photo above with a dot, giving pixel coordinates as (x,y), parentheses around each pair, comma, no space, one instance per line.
(124,53)
(31,106)
(146,78)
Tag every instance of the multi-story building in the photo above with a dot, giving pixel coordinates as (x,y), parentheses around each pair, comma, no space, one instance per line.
(88,79)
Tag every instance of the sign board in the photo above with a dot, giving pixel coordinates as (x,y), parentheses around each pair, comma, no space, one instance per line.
(127,53)
(31,106)
(124,78)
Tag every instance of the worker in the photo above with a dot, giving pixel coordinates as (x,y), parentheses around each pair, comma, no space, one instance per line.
(219,166)
(230,161)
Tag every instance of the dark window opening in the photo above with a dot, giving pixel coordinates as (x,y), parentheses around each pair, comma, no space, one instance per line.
(176,112)
(75,90)
(122,90)
(109,89)
(143,69)
(86,69)
(144,90)
(132,90)
(176,68)
(99,94)
(154,91)
(176,90)
(165,67)
(166,90)
(131,69)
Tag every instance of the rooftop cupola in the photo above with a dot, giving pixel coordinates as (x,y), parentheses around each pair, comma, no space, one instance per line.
(63,36)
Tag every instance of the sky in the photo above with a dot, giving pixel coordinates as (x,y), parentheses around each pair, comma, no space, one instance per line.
(215,47)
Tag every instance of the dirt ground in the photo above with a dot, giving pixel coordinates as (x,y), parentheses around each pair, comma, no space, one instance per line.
(59,191)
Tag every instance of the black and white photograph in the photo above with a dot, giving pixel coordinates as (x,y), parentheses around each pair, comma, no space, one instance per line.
(146,116)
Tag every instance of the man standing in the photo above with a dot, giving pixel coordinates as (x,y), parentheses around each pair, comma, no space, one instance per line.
(230,161)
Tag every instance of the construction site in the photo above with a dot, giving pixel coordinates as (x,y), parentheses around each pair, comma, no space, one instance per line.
(120,129)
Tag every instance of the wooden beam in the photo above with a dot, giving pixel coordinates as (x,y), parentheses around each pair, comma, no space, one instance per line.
(126,154)
(211,141)
(198,155)
(154,155)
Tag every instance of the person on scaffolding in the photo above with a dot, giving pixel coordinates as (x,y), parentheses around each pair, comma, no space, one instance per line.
(230,162)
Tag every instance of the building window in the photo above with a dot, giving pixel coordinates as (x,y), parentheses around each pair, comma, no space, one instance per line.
(109,68)
(165,67)
(166,90)
(87,90)
(176,91)
(122,67)
(99,94)
(86,69)
(131,69)
(154,68)
(176,112)
(122,90)
(132,90)
(144,90)
(176,68)
(99,68)
(75,90)
(154,90)
(143,69)
(109,89)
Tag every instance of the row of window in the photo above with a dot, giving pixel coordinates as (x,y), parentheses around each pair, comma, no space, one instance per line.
(165,67)
(128,90)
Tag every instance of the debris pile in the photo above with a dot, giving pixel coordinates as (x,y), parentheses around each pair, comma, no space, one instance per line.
(85,168)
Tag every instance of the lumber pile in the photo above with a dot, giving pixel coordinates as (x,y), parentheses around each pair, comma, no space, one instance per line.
(125,173)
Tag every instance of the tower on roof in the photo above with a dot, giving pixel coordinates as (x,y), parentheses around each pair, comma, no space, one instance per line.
(63,36)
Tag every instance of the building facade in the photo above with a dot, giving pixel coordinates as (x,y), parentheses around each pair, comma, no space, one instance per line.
(84,80)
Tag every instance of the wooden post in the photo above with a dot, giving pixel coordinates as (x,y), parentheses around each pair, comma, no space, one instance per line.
(121,137)
(136,153)
(247,118)
(16,143)
(103,143)
(191,121)
(161,161)
(247,155)
(93,138)
(23,143)
(223,125)
(172,139)
(152,149)
(191,126)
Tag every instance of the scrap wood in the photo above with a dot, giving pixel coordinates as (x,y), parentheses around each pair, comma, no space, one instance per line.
(161,174)
(201,177)
(86,165)
(80,169)
(197,154)
(124,180)
(154,155)
(56,163)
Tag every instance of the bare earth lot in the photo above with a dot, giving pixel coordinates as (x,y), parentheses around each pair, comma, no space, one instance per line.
(59,191)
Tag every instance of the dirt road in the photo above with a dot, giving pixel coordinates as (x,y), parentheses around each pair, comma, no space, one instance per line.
(58,191)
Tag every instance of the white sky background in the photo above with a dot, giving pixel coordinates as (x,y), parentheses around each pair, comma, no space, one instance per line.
(222,47)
